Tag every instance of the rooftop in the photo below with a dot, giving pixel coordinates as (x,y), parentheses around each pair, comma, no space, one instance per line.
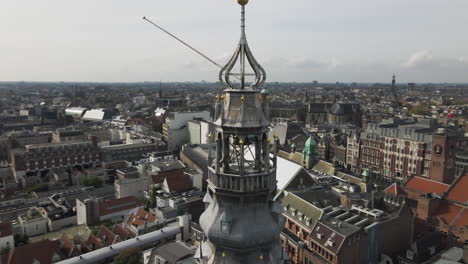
(140,218)
(423,185)
(45,251)
(6,229)
(116,205)
(458,192)
(453,215)
(173,252)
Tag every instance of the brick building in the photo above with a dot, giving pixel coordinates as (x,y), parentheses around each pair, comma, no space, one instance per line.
(440,206)
(44,157)
(320,230)
(399,153)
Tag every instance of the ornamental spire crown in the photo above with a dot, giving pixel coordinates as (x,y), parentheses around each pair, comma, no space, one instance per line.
(251,74)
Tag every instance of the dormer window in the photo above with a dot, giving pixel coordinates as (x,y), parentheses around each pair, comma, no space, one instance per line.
(410,254)
(225,226)
(330,243)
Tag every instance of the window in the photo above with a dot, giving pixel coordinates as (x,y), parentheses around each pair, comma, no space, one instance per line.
(225,226)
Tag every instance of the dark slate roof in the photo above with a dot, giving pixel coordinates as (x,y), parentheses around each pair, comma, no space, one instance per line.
(301,210)
(173,252)
(321,198)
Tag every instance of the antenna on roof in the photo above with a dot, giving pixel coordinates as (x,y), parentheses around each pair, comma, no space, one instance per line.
(183,42)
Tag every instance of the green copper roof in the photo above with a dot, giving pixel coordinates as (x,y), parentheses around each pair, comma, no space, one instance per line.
(310,148)
(365,173)
(265,91)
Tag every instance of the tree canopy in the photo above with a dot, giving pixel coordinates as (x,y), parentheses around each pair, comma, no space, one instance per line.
(129,256)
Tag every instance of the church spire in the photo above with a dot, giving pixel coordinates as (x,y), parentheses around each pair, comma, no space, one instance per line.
(244,58)
(242,177)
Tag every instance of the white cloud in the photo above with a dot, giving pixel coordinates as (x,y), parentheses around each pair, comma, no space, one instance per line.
(420,57)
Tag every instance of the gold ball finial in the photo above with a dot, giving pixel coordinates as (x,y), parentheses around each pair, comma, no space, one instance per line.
(243,2)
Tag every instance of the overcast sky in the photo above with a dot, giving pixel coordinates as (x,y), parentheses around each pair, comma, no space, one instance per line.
(295,40)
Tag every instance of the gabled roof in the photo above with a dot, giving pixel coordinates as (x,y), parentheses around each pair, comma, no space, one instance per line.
(423,185)
(123,233)
(459,191)
(301,211)
(173,252)
(453,215)
(140,218)
(324,167)
(394,189)
(178,181)
(295,157)
(285,171)
(94,243)
(68,248)
(42,251)
(83,246)
(106,236)
(301,180)
(322,233)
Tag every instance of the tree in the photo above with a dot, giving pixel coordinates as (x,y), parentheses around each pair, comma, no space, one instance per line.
(92,181)
(419,109)
(41,187)
(129,256)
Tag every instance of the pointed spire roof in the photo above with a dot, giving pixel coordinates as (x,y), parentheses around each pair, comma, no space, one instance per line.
(244,57)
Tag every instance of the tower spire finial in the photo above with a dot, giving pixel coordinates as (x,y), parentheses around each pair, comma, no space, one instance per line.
(244,57)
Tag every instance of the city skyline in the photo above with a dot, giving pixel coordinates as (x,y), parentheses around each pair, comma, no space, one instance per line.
(362,41)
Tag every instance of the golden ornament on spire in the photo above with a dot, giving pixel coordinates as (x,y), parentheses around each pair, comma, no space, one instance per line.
(243,2)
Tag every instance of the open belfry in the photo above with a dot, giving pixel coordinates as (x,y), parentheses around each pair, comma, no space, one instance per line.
(241,223)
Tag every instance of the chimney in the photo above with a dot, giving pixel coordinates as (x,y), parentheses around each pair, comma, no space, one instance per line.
(94,140)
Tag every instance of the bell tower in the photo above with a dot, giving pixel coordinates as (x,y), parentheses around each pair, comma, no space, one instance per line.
(242,223)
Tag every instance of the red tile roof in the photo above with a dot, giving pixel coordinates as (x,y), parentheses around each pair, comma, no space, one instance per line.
(42,251)
(178,181)
(68,248)
(94,243)
(158,178)
(6,229)
(140,218)
(117,205)
(106,236)
(83,246)
(426,186)
(459,192)
(453,215)
(123,233)
(394,189)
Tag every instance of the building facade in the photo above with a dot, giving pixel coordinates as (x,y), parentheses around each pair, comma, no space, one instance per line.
(399,153)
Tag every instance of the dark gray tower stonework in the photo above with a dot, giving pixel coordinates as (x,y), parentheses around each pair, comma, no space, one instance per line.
(242,224)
